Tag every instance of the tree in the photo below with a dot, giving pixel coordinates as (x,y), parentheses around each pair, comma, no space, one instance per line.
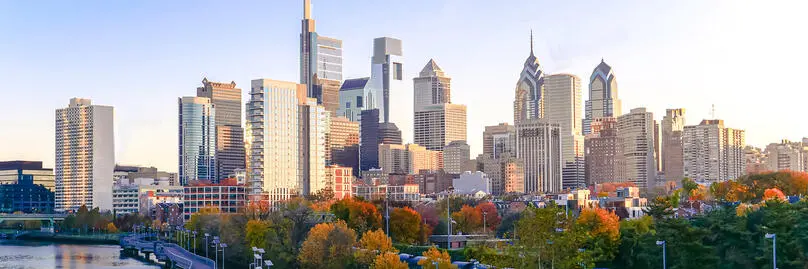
(389,261)
(468,220)
(660,207)
(111,228)
(257,233)
(773,194)
(359,215)
(434,255)
(489,212)
(371,245)
(603,229)
(405,225)
(328,245)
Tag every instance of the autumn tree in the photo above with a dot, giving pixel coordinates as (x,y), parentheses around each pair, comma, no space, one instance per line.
(603,229)
(359,215)
(773,194)
(468,220)
(441,257)
(389,261)
(489,212)
(257,233)
(372,244)
(111,228)
(405,225)
(328,245)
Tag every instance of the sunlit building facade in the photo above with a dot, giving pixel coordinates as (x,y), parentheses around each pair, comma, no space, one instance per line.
(197,140)
(603,100)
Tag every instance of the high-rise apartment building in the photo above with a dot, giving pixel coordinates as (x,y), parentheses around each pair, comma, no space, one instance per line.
(529,99)
(197,140)
(408,159)
(437,121)
(226,98)
(356,95)
(562,95)
(538,145)
(386,73)
(320,63)
(455,155)
(274,120)
(605,161)
(499,140)
(603,100)
(636,134)
(673,125)
(343,143)
(85,156)
(314,125)
(786,156)
(712,152)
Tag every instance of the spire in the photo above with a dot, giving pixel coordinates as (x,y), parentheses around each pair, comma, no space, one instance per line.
(531,41)
(306,9)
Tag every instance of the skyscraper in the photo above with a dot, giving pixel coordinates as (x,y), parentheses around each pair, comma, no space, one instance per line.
(455,155)
(786,156)
(314,124)
(273,114)
(229,133)
(437,121)
(197,140)
(636,135)
(85,156)
(673,125)
(320,62)
(499,140)
(562,95)
(529,101)
(387,73)
(343,141)
(408,159)
(356,95)
(538,145)
(603,100)
(604,153)
(712,152)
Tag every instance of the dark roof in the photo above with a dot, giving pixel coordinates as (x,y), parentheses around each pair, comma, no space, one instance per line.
(355,83)
(603,67)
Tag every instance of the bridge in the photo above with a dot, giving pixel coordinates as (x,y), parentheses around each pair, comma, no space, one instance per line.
(51,218)
(169,252)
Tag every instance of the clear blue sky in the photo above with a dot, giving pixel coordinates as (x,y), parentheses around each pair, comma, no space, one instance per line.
(746,57)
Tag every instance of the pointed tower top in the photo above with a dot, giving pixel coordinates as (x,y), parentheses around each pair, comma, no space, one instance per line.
(531,41)
(431,69)
(306,9)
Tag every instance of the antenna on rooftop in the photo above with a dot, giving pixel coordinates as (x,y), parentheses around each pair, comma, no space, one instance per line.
(712,113)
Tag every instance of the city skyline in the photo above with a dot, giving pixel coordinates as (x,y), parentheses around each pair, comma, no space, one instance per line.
(78,65)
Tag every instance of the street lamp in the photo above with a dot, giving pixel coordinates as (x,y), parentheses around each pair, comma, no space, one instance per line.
(215,251)
(206,245)
(773,237)
(662,243)
(223,245)
(194,233)
(449,217)
(436,264)
(268,263)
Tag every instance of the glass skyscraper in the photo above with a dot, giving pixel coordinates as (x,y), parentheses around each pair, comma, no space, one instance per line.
(197,139)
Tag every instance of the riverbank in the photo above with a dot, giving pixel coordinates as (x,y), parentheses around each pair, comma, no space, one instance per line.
(41,254)
(85,239)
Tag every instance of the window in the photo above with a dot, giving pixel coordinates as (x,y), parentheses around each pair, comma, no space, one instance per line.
(347,104)
(397,72)
(359,101)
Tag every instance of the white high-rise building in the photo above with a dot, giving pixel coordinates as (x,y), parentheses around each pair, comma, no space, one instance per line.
(314,127)
(387,76)
(437,121)
(85,156)
(538,144)
(197,140)
(636,136)
(562,106)
(712,152)
(273,118)
(786,156)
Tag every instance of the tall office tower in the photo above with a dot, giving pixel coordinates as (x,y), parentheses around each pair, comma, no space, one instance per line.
(712,152)
(389,133)
(197,140)
(538,144)
(562,95)
(273,114)
(386,73)
(320,63)
(356,95)
(636,134)
(529,101)
(786,156)
(314,125)
(672,153)
(455,155)
(408,159)
(499,139)
(436,120)
(604,153)
(343,141)
(85,156)
(603,100)
(229,133)
(369,140)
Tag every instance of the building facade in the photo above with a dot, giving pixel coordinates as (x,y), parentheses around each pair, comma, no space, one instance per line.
(529,98)
(455,156)
(499,139)
(314,124)
(408,159)
(636,135)
(15,172)
(343,143)
(26,196)
(786,156)
(340,180)
(226,99)
(320,62)
(225,198)
(85,156)
(605,161)
(356,95)
(562,94)
(712,152)
(197,140)
(386,73)
(673,125)
(437,121)
(603,100)
(538,145)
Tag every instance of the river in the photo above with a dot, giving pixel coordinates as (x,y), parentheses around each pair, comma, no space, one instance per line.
(24,255)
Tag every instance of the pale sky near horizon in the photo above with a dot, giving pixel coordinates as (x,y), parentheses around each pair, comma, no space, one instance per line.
(745,57)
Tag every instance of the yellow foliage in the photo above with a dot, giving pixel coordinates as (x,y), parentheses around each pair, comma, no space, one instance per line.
(389,261)
(434,255)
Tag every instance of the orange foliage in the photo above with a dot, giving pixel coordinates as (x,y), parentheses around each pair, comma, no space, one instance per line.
(601,222)
(468,220)
(322,206)
(773,193)
(492,219)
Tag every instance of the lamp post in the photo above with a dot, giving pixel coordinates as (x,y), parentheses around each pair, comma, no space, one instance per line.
(485,228)
(215,251)
(268,263)
(449,217)
(773,237)
(387,210)
(436,264)
(223,245)
(206,245)
(194,233)
(662,243)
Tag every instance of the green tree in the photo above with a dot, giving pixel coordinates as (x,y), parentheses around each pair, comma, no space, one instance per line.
(405,225)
